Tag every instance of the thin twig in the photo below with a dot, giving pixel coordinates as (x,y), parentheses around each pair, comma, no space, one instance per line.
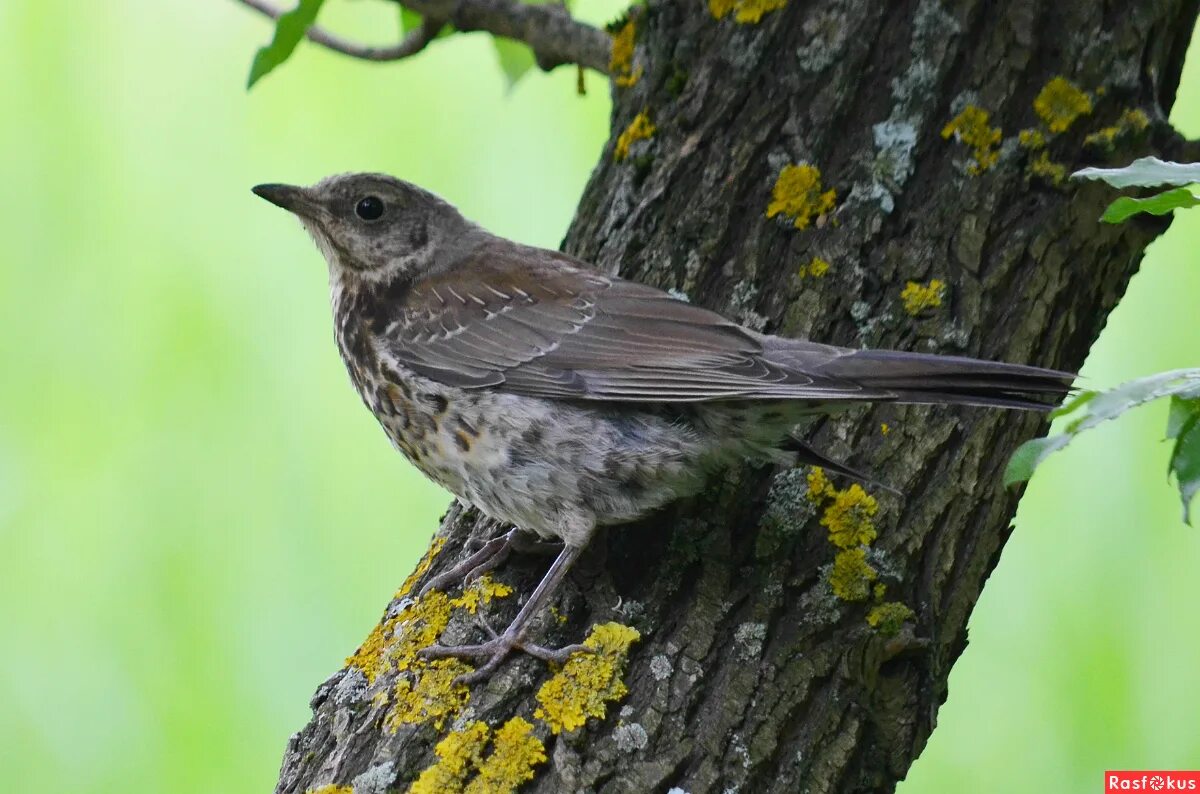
(414,42)
(555,37)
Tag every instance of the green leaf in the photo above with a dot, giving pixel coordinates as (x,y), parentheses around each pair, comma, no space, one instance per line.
(1125,207)
(409,20)
(1145,172)
(1081,398)
(289,29)
(516,59)
(1100,407)
(1029,455)
(1182,410)
(1185,463)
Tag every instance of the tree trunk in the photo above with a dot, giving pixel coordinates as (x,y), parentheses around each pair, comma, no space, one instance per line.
(769,658)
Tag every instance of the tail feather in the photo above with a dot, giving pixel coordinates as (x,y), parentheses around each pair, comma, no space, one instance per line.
(922,378)
(896,375)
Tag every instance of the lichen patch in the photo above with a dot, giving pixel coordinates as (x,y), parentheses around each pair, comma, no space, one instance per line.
(797,194)
(889,617)
(1060,103)
(588,681)
(745,12)
(920,298)
(971,127)
(620,64)
(640,129)
(852,575)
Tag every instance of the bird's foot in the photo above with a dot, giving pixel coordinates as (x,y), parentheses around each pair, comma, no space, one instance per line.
(489,556)
(496,650)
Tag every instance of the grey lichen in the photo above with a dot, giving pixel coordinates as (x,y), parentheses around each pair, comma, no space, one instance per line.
(895,142)
(749,638)
(375,780)
(661,667)
(825,33)
(819,605)
(351,688)
(630,738)
(741,305)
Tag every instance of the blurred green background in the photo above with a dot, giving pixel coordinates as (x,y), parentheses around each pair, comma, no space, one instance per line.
(198,520)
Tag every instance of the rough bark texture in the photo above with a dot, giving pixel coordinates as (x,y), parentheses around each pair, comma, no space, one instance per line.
(751,675)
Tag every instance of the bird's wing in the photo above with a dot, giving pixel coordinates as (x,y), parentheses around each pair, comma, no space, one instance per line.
(534,322)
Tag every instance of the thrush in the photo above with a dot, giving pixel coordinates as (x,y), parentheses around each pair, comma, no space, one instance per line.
(558,399)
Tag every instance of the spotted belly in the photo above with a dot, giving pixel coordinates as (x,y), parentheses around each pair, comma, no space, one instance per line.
(551,467)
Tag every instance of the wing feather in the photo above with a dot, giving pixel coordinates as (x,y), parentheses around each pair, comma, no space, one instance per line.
(536,322)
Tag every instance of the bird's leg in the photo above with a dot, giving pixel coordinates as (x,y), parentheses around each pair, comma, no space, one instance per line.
(496,649)
(486,558)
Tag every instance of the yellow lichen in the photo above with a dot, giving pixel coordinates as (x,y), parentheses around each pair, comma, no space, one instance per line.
(395,643)
(462,768)
(1032,139)
(888,618)
(748,12)
(819,486)
(721,8)
(849,518)
(971,128)
(817,268)
(434,697)
(1042,167)
(620,63)
(331,789)
(640,129)
(588,680)
(459,754)
(1131,123)
(797,193)
(918,298)
(878,590)
(515,754)
(852,575)
(1059,103)
(629,79)
(423,566)
(481,591)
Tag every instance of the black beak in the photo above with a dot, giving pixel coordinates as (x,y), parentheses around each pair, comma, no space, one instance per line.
(291,198)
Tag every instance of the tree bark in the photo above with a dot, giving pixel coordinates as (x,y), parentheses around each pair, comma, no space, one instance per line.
(752,673)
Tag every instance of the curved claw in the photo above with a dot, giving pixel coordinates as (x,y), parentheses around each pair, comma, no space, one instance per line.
(496,650)
(488,556)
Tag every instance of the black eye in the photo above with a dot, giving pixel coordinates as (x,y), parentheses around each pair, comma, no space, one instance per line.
(369,208)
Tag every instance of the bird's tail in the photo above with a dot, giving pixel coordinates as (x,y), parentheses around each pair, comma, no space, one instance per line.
(921,378)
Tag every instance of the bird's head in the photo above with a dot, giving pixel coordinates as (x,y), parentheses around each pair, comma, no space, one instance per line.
(375,227)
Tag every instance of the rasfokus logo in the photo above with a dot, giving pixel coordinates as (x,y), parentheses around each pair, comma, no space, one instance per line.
(1145,780)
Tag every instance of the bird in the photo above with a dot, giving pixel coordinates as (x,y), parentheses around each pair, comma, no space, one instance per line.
(557,399)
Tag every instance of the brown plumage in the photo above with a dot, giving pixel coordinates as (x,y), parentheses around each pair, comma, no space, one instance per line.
(559,399)
(539,323)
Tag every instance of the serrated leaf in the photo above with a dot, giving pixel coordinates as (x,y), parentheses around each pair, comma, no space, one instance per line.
(1185,463)
(1144,172)
(1100,407)
(289,29)
(1027,457)
(1080,399)
(1125,207)
(1183,409)
(516,59)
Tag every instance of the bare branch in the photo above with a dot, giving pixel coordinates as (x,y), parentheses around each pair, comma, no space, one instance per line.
(555,37)
(413,43)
